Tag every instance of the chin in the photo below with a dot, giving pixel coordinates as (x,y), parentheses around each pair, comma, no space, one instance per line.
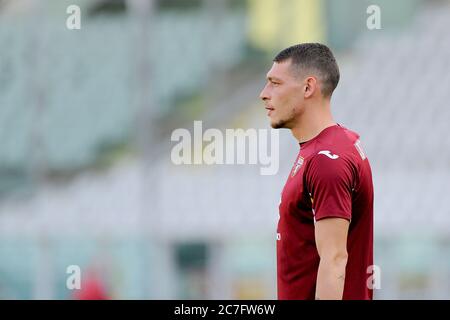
(278,124)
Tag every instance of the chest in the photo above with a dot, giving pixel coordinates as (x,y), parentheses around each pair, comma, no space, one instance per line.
(295,198)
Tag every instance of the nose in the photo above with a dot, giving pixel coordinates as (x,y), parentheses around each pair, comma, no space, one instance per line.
(264,94)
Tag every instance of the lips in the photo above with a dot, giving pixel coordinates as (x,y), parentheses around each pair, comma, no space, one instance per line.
(269,110)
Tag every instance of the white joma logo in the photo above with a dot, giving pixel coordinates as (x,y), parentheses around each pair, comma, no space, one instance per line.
(328,154)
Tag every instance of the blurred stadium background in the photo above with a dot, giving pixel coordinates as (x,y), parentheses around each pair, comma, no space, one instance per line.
(85,121)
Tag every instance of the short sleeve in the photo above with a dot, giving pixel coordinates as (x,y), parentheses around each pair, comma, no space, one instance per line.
(329,181)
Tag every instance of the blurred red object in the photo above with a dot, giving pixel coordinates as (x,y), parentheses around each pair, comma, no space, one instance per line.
(92,288)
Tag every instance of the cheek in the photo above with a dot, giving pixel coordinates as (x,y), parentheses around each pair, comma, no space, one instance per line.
(283,97)
(287,99)
(294,100)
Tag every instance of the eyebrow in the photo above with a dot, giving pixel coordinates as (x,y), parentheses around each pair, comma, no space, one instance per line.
(270,78)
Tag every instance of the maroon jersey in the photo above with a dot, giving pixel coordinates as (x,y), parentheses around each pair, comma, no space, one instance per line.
(331,177)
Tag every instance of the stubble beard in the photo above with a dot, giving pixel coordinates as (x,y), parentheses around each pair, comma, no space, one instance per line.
(284,123)
(280,124)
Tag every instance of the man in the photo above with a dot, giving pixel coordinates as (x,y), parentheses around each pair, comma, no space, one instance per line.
(325,229)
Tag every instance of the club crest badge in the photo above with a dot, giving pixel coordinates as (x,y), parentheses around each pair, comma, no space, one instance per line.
(297,166)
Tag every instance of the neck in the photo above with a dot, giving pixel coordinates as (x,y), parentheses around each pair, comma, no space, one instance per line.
(313,120)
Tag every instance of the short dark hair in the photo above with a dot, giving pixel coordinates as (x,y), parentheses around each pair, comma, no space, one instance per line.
(314,57)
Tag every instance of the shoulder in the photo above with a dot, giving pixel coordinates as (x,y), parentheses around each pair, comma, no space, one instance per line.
(335,156)
(331,164)
(339,143)
(340,139)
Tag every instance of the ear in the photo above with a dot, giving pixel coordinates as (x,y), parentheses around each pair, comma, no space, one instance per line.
(310,86)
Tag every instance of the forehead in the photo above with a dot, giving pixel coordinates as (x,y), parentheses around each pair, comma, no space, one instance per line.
(280,70)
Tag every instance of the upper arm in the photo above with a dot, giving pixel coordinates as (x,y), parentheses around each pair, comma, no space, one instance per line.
(331,237)
(330,183)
